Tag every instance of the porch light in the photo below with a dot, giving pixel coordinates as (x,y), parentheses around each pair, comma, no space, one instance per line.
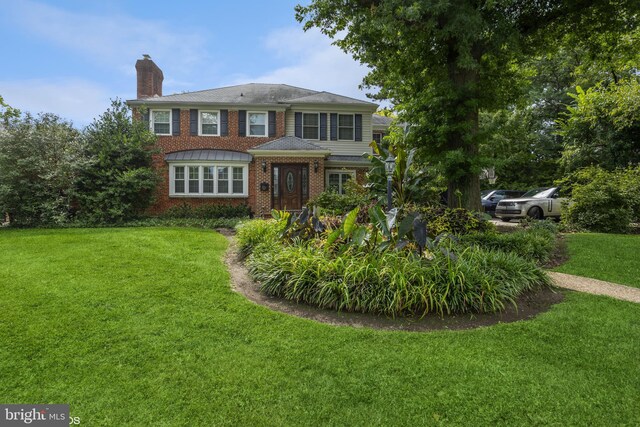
(315,166)
(264,166)
(389,167)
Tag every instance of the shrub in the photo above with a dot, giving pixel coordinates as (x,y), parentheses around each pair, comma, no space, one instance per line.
(534,244)
(185,210)
(334,203)
(454,221)
(40,158)
(394,283)
(118,181)
(598,206)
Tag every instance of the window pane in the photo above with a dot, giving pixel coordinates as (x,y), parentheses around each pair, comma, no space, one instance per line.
(210,118)
(237,187)
(207,186)
(161,128)
(161,117)
(310,132)
(276,182)
(377,137)
(345,120)
(305,183)
(334,181)
(237,173)
(194,179)
(178,182)
(194,172)
(345,133)
(257,118)
(209,129)
(346,177)
(223,180)
(257,130)
(310,119)
(208,172)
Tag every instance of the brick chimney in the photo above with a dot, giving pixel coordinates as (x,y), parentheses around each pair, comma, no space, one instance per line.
(150,78)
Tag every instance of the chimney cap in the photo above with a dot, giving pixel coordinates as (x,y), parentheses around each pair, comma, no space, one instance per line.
(146,56)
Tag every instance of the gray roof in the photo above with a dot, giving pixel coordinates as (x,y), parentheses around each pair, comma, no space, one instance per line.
(349,159)
(381,120)
(289,143)
(209,155)
(252,94)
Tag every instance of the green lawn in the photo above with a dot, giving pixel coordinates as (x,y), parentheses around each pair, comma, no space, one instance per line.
(138,327)
(611,257)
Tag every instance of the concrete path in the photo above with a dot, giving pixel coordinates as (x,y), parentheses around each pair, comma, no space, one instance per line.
(596,287)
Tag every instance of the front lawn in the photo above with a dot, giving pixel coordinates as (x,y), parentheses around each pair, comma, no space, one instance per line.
(611,257)
(139,327)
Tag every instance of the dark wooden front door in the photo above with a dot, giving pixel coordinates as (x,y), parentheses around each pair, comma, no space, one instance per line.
(290,186)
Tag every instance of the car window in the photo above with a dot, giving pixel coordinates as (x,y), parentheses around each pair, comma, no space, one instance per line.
(544,194)
(534,191)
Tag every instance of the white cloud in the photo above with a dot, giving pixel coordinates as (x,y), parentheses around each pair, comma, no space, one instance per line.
(114,41)
(76,100)
(313,63)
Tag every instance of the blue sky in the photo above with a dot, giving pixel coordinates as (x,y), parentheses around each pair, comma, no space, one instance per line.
(70,57)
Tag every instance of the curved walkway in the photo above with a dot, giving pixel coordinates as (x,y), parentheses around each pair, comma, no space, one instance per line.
(596,287)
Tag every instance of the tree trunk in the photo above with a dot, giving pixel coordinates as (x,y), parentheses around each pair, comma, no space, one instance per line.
(463,177)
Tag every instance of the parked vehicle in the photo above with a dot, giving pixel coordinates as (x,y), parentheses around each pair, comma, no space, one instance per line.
(538,203)
(490,198)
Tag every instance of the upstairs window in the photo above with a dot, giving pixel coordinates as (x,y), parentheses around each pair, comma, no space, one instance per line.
(345,127)
(257,124)
(161,122)
(208,123)
(311,126)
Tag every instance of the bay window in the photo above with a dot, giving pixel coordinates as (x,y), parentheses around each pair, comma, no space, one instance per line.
(208,180)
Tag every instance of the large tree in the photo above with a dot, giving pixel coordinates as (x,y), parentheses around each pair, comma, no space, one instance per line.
(441,62)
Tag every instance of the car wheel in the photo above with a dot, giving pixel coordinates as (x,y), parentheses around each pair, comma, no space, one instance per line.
(535,213)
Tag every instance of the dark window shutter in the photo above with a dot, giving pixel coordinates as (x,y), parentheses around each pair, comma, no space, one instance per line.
(242,123)
(358,124)
(224,122)
(175,118)
(193,121)
(298,125)
(334,127)
(272,123)
(146,117)
(323,126)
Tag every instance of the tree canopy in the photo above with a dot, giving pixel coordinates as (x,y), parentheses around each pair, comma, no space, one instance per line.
(441,62)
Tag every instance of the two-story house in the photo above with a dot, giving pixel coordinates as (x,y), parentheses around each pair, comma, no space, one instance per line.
(265,145)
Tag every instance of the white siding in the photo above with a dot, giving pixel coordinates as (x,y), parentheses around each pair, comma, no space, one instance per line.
(345,148)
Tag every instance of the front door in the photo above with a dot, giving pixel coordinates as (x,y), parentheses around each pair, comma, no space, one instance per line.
(290,186)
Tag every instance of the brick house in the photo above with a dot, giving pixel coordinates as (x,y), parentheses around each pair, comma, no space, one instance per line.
(264,145)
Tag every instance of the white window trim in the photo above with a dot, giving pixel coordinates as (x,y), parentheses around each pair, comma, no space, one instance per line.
(151,123)
(353,127)
(351,172)
(266,124)
(214,195)
(200,122)
(311,139)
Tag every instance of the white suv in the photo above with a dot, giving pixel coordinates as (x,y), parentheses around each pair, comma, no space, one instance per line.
(538,203)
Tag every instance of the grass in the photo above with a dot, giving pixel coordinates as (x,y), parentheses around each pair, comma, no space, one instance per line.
(611,257)
(137,327)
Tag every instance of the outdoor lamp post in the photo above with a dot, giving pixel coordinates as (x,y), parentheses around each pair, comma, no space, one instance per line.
(389,167)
